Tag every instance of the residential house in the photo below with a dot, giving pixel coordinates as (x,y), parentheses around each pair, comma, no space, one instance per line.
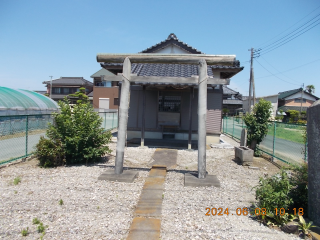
(232,101)
(170,110)
(105,93)
(64,86)
(271,98)
(288,100)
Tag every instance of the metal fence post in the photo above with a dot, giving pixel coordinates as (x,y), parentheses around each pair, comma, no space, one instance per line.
(233,127)
(27,126)
(105,120)
(226,125)
(305,149)
(112,119)
(274,137)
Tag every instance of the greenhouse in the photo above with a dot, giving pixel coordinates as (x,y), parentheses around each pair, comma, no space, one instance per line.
(24,102)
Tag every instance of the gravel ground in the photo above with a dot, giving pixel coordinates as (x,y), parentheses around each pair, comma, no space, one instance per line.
(95,209)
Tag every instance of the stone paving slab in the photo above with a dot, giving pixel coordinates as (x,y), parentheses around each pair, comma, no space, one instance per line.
(165,157)
(127,176)
(144,228)
(192,180)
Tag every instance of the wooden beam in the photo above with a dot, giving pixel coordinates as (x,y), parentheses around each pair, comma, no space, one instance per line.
(143,115)
(167,58)
(179,80)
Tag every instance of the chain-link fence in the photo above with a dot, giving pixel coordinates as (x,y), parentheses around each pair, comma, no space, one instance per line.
(286,142)
(19,134)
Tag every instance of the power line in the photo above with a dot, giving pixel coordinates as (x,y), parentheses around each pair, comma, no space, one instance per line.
(289,69)
(286,40)
(275,75)
(289,27)
(288,35)
(305,27)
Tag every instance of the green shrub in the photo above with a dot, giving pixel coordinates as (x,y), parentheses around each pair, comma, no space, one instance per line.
(294,114)
(76,136)
(35,221)
(274,192)
(257,122)
(50,153)
(299,191)
(41,228)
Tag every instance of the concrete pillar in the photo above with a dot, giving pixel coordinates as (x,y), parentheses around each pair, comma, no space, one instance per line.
(313,132)
(202,117)
(143,114)
(243,139)
(190,119)
(123,115)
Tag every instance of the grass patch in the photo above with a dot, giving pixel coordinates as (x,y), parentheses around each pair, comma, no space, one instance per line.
(25,232)
(293,135)
(17,180)
(61,202)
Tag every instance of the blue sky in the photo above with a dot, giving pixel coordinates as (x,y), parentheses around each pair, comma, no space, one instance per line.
(61,38)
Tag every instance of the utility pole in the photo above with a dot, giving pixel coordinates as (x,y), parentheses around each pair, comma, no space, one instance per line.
(251,85)
(301,97)
(50,86)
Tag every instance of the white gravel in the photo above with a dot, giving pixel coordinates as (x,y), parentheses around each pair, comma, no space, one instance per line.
(95,209)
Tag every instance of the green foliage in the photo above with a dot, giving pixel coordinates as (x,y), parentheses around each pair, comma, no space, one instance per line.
(25,232)
(299,191)
(16,181)
(41,228)
(225,111)
(76,136)
(257,121)
(310,88)
(273,219)
(60,202)
(35,221)
(302,122)
(273,192)
(80,95)
(305,227)
(50,152)
(294,114)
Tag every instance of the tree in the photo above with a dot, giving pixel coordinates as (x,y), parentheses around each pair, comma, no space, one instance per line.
(310,88)
(78,134)
(80,96)
(257,122)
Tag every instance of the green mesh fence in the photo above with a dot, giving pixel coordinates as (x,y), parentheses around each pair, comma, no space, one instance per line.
(19,134)
(283,141)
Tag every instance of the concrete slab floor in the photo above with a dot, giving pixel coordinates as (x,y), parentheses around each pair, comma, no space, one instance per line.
(192,180)
(165,157)
(127,176)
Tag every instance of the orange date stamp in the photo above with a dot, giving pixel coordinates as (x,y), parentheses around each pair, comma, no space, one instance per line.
(246,211)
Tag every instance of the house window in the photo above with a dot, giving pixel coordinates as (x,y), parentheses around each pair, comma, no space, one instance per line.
(298,100)
(56,90)
(169,103)
(65,90)
(116,101)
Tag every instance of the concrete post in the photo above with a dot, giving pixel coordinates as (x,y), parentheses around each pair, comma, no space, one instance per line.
(143,114)
(243,140)
(313,133)
(123,115)
(190,119)
(202,117)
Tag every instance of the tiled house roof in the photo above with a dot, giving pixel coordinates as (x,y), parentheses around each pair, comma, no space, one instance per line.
(283,95)
(172,39)
(174,70)
(71,81)
(102,71)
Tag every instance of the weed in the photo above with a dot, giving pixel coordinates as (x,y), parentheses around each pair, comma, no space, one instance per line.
(17,180)
(305,227)
(15,192)
(35,221)
(41,228)
(98,207)
(162,196)
(61,202)
(186,167)
(25,232)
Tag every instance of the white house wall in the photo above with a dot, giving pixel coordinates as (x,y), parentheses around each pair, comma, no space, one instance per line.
(298,95)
